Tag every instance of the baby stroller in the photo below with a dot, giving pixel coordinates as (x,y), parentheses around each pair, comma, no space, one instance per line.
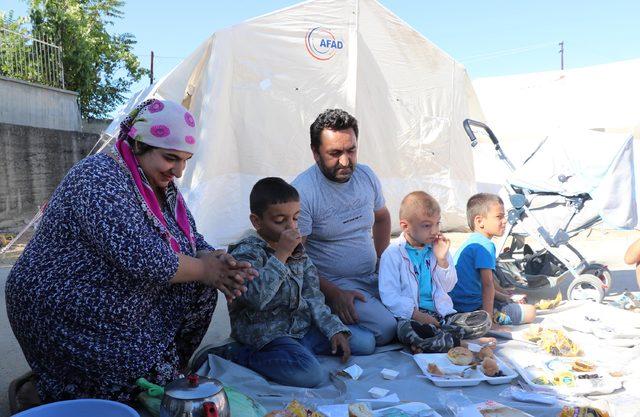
(533,259)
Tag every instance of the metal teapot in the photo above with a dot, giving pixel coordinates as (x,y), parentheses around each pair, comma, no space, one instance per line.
(195,396)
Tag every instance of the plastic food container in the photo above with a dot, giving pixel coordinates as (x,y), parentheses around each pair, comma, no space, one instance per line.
(81,408)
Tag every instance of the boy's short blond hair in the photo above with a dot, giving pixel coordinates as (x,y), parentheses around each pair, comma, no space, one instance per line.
(479,205)
(418,200)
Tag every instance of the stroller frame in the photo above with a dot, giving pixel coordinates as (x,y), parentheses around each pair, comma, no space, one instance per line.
(588,280)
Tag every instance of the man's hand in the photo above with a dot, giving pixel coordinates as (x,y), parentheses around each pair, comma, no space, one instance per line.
(342,303)
(341,340)
(424,318)
(289,240)
(441,246)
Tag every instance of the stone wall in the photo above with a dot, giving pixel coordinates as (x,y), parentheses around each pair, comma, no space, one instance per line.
(33,161)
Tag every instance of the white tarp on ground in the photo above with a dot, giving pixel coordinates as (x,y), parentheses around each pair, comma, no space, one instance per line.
(255,88)
(524,109)
(409,386)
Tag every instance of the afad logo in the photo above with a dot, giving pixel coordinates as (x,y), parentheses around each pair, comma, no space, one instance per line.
(321,43)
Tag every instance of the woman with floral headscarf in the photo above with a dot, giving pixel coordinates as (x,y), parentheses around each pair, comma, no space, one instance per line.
(117,284)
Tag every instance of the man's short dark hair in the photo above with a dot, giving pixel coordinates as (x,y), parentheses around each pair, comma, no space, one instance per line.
(479,205)
(332,119)
(268,191)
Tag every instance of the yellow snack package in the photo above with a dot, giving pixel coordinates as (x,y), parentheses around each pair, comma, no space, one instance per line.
(568,411)
(549,304)
(564,378)
(301,411)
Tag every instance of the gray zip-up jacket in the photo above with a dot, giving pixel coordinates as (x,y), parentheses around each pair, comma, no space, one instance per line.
(285,300)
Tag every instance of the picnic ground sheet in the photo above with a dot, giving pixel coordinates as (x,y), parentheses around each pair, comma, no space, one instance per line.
(608,337)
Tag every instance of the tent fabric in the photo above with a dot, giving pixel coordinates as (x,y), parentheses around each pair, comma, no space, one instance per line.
(523,110)
(572,162)
(255,88)
(528,106)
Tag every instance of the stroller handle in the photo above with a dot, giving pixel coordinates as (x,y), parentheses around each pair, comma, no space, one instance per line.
(467,127)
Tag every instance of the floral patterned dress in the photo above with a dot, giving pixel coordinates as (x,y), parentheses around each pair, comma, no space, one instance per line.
(90,301)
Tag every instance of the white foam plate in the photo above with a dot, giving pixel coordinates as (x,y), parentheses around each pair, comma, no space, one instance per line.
(475,375)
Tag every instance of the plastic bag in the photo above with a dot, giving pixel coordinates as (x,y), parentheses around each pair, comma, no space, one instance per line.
(518,394)
(458,404)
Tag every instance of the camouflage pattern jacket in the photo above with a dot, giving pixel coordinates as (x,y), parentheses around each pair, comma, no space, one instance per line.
(285,300)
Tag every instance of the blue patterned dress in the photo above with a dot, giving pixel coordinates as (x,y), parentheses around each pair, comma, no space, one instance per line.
(89,299)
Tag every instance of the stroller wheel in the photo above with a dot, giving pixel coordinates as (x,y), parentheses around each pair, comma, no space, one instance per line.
(602,272)
(586,287)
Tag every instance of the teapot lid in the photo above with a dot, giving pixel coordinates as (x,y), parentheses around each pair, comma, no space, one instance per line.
(193,387)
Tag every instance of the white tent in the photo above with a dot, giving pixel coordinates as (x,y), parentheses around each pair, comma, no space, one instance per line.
(595,107)
(523,109)
(255,88)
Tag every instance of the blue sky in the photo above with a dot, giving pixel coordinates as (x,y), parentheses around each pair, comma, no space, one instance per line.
(594,32)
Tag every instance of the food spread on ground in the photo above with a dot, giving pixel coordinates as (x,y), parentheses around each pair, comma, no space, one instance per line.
(552,360)
(554,341)
(549,304)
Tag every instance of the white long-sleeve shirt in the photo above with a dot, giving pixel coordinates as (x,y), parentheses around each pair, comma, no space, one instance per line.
(398,282)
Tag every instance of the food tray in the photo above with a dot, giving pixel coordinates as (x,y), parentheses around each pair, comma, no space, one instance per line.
(475,375)
(528,364)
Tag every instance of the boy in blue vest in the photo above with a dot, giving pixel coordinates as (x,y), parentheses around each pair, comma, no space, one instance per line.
(475,262)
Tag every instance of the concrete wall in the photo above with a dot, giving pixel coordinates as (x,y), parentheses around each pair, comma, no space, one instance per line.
(23,103)
(33,161)
(95,125)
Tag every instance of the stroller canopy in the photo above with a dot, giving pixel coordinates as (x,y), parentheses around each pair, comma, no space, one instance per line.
(572,162)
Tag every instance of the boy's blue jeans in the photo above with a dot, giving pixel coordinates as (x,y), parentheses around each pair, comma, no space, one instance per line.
(292,362)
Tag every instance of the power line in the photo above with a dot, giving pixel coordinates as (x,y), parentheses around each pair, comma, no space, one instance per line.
(506,52)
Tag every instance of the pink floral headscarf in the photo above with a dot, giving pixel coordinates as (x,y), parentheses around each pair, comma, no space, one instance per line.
(163,124)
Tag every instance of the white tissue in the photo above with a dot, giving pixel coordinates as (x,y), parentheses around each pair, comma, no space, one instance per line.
(389,373)
(377,392)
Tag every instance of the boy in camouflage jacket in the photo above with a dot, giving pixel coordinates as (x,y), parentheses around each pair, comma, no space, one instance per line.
(282,320)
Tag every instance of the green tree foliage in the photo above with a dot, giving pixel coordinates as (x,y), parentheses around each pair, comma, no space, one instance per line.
(98,65)
(15,50)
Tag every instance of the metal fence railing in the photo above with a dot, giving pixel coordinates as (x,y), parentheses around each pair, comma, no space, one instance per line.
(30,59)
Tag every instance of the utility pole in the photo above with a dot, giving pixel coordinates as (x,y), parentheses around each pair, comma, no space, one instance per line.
(561,51)
(151,73)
